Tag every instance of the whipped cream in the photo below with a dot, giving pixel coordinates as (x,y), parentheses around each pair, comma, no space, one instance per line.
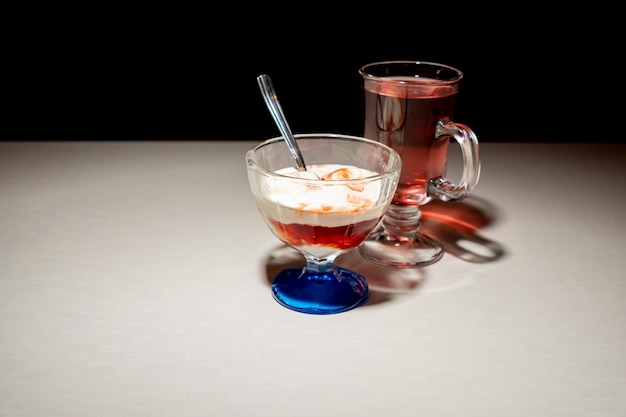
(326,201)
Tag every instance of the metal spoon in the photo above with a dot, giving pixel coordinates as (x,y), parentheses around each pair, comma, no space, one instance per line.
(271,99)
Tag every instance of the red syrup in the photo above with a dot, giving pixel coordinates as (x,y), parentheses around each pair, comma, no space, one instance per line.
(339,237)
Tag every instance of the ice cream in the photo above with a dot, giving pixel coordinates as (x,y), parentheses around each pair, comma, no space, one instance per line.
(330,201)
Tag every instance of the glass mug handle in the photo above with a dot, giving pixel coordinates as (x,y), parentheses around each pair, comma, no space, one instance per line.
(441,187)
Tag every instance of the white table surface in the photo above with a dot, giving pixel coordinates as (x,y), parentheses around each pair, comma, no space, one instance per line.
(134,281)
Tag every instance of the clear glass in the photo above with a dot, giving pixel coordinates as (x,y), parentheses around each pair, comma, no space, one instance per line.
(323,212)
(409,106)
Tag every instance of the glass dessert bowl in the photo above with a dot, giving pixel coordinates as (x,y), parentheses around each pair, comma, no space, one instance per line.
(330,208)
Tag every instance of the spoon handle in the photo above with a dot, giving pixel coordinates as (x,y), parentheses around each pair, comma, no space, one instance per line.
(271,99)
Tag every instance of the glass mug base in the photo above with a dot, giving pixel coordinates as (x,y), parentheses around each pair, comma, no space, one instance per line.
(386,250)
(326,292)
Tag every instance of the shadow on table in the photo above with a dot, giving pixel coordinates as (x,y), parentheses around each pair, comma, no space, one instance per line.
(456,225)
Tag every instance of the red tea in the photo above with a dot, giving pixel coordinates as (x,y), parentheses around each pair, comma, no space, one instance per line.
(404,116)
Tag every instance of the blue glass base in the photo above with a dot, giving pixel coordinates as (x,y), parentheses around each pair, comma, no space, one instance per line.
(314,292)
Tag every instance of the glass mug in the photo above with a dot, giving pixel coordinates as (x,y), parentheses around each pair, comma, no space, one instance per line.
(409,106)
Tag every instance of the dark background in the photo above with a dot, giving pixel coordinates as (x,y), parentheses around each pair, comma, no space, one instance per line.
(180,77)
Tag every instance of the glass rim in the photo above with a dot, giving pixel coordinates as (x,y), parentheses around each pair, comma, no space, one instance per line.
(395,167)
(363,71)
